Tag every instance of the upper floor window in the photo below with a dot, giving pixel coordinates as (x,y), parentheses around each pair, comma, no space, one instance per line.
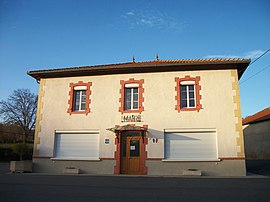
(131,93)
(188,94)
(79,102)
(131,96)
(79,98)
(187,90)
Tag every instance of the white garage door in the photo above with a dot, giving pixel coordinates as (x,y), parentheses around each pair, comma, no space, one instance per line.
(77,145)
(193,145)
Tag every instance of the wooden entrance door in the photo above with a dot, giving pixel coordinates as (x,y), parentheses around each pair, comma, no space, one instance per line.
(131,142)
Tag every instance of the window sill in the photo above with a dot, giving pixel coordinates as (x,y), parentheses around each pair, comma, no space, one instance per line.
(190,109)
(78,112)
(191,160)
(74,159)
(132,111)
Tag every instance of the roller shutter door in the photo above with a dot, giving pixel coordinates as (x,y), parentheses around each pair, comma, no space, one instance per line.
(76,145)
(191,146)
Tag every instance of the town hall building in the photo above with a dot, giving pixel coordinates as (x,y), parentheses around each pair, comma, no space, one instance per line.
(161,117)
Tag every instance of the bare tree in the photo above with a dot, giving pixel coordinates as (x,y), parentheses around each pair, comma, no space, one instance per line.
(20,109)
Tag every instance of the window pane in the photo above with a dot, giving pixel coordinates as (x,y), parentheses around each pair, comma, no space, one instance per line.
(191,95)
(135,105)
(128,94)
(192,103)
(127,105)
(183,103)
(135,90)
(83,95)
(184,95)
(135,97)
(127,98)
(76,100)
(83,100)
(183,88)
(191,87)
(128,90)
(83,106)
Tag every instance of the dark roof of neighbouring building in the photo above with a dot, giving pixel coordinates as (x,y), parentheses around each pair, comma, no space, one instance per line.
(258,117)
(147,66)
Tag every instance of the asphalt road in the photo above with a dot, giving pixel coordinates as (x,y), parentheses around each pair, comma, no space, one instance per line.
(37,187)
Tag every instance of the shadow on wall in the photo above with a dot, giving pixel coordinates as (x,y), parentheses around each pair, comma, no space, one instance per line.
(151,133)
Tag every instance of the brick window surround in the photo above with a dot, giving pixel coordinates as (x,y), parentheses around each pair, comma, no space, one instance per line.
(197,86)
(122,95)
(71,97)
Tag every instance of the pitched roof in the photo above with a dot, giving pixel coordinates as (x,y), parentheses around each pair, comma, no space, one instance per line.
(259,116)
(146,66)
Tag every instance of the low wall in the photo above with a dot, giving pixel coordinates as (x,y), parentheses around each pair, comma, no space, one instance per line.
(85,167)
(154,167)
(221,168)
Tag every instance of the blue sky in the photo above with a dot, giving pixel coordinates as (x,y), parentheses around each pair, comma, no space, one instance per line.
(43,34)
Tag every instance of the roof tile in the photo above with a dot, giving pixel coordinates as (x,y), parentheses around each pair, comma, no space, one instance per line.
(257,117)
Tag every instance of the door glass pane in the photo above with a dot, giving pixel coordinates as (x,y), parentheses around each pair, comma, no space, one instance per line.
(124,148)
(134,148)
(130,133)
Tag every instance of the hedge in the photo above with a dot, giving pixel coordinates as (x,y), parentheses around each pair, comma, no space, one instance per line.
(8,152)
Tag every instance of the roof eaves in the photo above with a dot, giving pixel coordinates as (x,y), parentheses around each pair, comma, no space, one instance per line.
(156,63)
(262,115)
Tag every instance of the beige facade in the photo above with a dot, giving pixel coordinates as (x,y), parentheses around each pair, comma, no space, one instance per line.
(220,112)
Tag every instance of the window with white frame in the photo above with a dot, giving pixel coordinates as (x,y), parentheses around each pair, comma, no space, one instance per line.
(187,94)
(131,97)
(79,101)
(190,145)
(81,145)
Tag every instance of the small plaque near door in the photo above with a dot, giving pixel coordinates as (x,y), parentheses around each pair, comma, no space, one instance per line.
(107,141)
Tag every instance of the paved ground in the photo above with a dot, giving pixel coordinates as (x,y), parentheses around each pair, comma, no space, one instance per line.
(259,167)
(41,187)
(32,187)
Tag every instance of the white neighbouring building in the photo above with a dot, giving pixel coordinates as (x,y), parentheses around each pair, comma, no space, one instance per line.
(161,117)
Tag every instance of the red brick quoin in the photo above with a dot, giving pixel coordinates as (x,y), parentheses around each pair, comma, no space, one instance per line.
(71,100)
(197,91)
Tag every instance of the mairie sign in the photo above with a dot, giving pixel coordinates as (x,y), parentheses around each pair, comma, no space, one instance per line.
(131,118)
